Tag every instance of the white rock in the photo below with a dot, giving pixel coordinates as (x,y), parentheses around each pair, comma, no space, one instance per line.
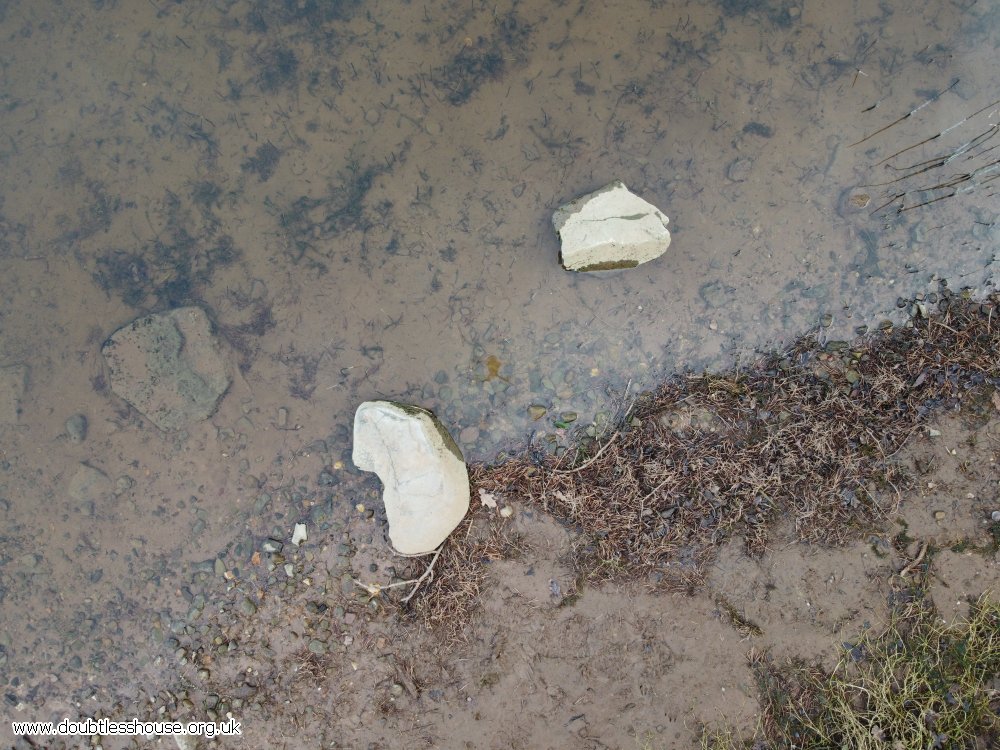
(299,534)
(609,229)
(426,484)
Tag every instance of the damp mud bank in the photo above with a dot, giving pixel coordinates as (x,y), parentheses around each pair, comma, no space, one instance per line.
(359,196)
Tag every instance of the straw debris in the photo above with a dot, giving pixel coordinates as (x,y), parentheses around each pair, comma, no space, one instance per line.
(807,435)
(917,684)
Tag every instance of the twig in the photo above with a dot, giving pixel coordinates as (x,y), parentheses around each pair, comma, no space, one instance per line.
(591,460)
(916,562)
(425,574)
(374,589)
(907,115)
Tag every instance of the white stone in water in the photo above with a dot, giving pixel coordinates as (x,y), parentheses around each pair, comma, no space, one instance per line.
(299,534)
(426,483)
(609,229)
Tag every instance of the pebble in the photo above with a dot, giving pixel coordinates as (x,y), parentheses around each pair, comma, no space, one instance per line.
(317,647)
(76,428)
(272,545)
(939,515)
(469,435)
(247,606)
(995,515)
(536,412)
(568,416)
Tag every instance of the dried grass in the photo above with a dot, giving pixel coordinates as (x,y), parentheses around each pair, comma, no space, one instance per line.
(449,598)
(807,435)
(918,684)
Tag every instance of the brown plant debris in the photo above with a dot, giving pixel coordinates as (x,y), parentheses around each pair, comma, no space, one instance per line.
(808,435)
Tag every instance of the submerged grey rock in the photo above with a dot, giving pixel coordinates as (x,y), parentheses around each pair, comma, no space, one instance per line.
(609,229)
(426,483)
(89,484)
(169,367)
(76,428)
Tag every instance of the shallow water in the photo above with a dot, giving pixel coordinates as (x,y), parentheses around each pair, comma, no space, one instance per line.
(360,195)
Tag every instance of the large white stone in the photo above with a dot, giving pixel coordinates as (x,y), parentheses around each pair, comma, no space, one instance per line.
(426,484)
(609,229)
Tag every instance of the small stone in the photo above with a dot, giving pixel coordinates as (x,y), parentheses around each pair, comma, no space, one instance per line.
(738,170)
(469,435)
(282,417)
(219,568)
(247,606)
(568,416)
(289,570)
(261,502)
(272,546)
(317,647)
(506,511)
(536,412)
(299,534)
(931,432)
(76,428)
(939,515)
(995,515)
(396,690)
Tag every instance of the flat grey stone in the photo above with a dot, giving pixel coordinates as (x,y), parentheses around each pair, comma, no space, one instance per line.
(609,229)
(89,484)
(426,483)
(169,367)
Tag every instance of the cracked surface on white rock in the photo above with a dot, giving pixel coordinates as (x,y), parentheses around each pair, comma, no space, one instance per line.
(426,483)
(609,229)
